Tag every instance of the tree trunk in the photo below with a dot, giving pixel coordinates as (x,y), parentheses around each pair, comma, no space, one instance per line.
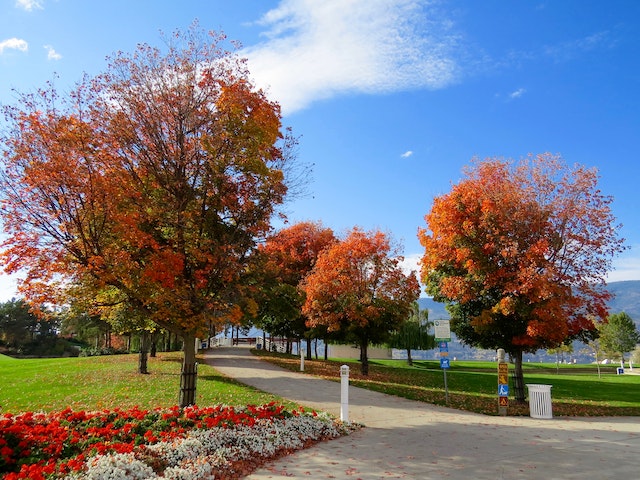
(154,345)
(143,354)
(364,358)
(409,359)
(189,373)
(326,350)
(518,377)
(309,349)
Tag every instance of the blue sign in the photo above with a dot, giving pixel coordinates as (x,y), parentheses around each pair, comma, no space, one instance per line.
(444,347)
(503,390)
(444,363)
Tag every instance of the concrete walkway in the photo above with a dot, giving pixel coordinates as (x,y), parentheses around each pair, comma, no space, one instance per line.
(413,440)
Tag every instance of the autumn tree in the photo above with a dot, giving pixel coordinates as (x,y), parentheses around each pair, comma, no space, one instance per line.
(618,335)
(357,288)
(519,251)
(414,333)
(156,178)
(290,255)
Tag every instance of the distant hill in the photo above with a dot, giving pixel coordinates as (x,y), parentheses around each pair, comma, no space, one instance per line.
(436,310)
(626,299)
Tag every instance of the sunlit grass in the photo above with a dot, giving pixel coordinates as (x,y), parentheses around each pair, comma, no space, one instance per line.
(473,386)
(95,383)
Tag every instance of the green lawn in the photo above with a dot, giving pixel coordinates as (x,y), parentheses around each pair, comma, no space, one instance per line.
(106,382)
(577,390)
(569,382)
(93,383)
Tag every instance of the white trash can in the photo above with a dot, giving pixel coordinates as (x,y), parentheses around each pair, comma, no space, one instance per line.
(540,400)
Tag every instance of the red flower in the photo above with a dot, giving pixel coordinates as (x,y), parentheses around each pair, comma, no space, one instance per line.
(33,445)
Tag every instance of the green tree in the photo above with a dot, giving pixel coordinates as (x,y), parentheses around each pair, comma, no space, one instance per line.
(24,332)
(18,325)
(619,335)
(86,328)
(559,352)
(414,333)
(594,347)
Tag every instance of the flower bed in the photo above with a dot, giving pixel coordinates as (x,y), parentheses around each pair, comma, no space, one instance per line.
(190,443)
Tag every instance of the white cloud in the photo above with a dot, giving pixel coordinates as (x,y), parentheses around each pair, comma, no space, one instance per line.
(576,48)
(411,263)
(51,53)
(318,50)
(29,5)
(407,154)
(13,44)
(626,267)
(517,93)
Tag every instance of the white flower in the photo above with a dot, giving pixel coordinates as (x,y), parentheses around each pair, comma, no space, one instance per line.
(117,466)
(203,452)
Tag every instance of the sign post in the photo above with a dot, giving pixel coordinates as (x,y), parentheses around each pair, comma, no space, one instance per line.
(442,336)
(442,330)
(503,384)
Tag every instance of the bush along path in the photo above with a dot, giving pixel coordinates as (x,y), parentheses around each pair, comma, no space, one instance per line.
(221,442)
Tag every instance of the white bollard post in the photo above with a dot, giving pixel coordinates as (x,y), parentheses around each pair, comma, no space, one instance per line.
(301,357)
(344,393)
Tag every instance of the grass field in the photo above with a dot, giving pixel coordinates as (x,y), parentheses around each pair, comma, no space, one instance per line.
(576,389)
(93,383)
(106,382)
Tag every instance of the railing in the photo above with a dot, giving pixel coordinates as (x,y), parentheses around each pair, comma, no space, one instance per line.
(275,345)
(230,342)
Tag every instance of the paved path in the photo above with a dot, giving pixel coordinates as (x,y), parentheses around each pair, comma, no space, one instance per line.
(413,440)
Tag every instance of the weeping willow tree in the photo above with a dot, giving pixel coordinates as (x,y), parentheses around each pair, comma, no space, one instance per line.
(414,333)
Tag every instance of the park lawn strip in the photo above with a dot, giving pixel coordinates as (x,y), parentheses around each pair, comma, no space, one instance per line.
(110,381)
(475,389)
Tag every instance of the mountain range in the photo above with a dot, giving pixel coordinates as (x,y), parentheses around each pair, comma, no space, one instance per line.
(626,298)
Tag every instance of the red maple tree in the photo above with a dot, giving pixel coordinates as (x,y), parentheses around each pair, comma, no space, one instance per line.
(291,254)
(520,252)
(358,288)
(156,178)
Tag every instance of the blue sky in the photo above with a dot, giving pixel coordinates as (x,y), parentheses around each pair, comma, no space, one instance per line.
(391,98)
